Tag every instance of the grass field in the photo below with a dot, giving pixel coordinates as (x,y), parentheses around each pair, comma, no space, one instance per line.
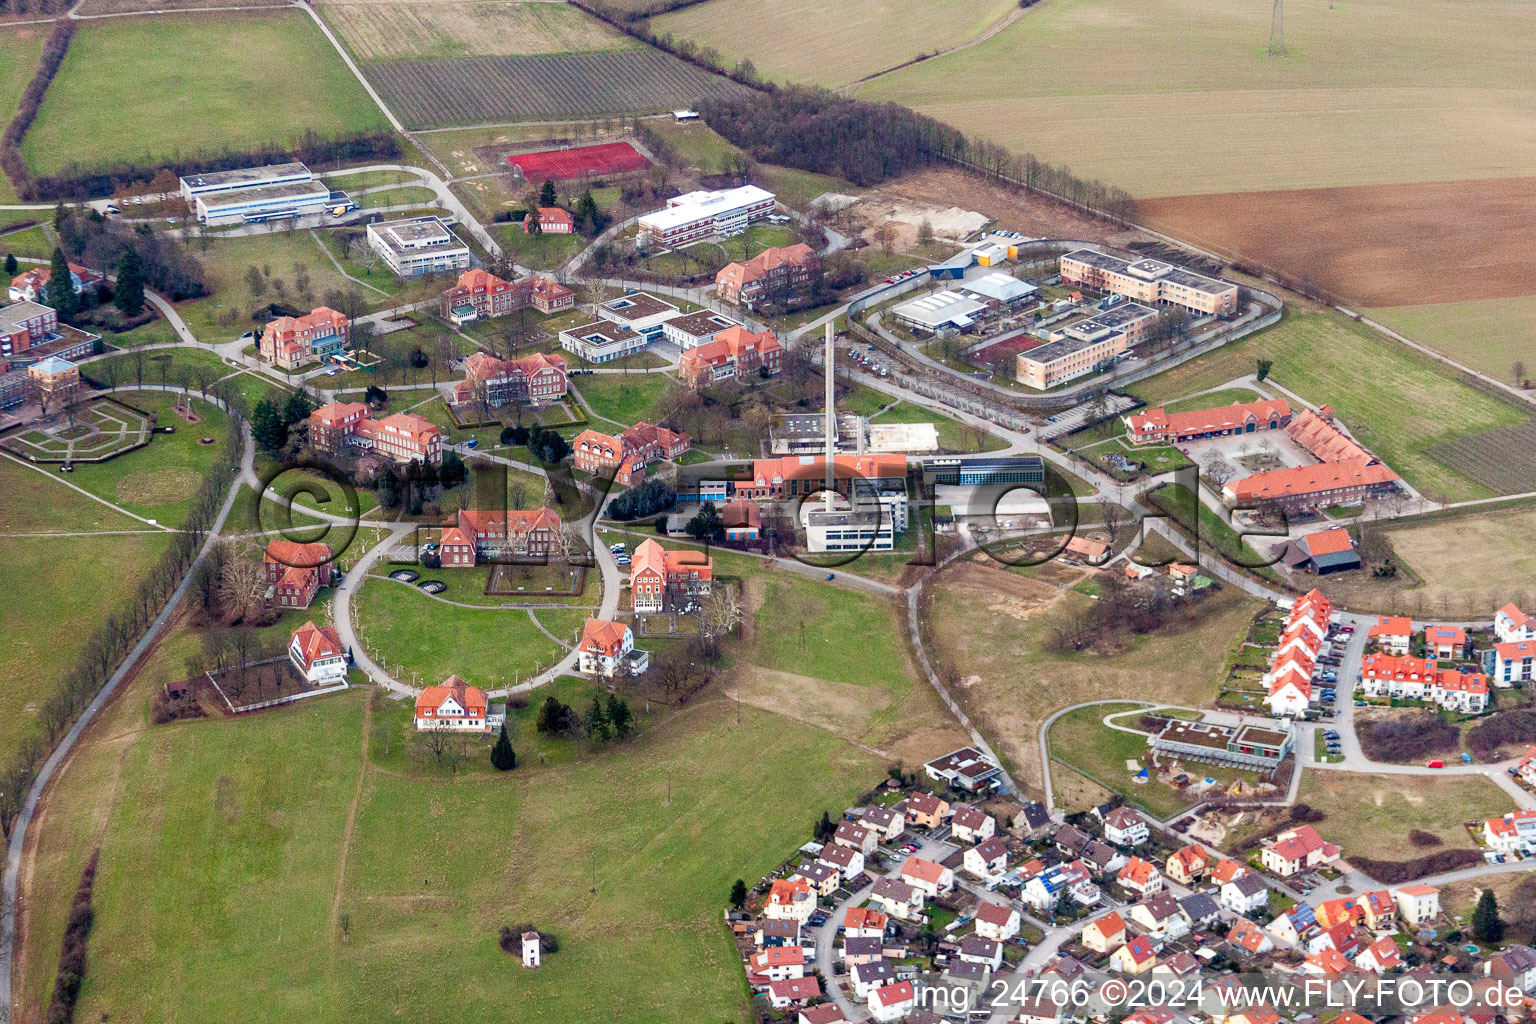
(953,435)
(36,503)
(1370,815)
(991,626)
(1437,553)
(626,397)
(1490,335)
(306,831)
(160,480)
(1348,104)
(53,593)
(808,40)
(180,85)
(429,640)
(432,31)
(1396,402)
(21,49)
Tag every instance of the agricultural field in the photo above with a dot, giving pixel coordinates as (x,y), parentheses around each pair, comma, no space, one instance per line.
(321,832)
(21,49)
(991,628)
(1437,554)
(469,90)
(165,105)
(1401,405)
(1492,336)
(808,40)
(1371,815)
(1349,104)
(439,31)
(100,7)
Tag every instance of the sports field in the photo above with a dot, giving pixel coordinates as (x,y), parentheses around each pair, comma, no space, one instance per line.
(142,90)
(1178,97)
(830,42)
(333,883)
(579,161)
(1398,403)
(432,31)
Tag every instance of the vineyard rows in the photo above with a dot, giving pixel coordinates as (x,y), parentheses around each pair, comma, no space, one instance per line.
(472,90)
(1502,459)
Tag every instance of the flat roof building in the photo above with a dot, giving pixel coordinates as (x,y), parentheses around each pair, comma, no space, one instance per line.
(1151,281)
(703,214)
(420,245)
(1072,356)
(945,310)
(601,341)
(1002,288)
(639,311)
(978,472)
(241,178)
(1245,746)
(262,203)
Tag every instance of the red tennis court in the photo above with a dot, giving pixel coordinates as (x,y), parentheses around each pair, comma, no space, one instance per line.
(579,161)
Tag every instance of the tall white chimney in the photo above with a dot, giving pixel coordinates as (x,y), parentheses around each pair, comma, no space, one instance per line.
(830,363)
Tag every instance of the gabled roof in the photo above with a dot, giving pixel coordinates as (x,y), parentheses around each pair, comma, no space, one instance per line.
(994,914)
(603,638)
(923,870)
(316,642)
(471,698)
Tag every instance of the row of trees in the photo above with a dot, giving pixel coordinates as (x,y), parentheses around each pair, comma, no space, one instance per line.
(607,718)
(156,260)
(11,159)
(106,646)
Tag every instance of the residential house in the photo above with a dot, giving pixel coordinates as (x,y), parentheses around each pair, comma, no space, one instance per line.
(659,578)
(1380,956)
(1249,937)
(971,824)
(987,860)
(473,536)
(628,454)
(897,898)
(1340,937)
(1188,865)
(1345,910)
(1393,633)
(1295,924)
(997,922)
(924,810)
(823,878)
(857,951)
(821,1013)
(1384,675)
(978,950)
(1327,962)
(773,275)
(454,706)
(892,1002)
(31,285)
(1296,850)
(1070,840)
(1244,894)
(1511,625)
(865,978)
(1525,768)
(790,900)
(290,341)
(1514,832)
(1141,877)
(295,572)
(1225,870)
(551,221)
(735,354)
(607,649)
(928,877)
(1516,965)
(535,379)
(776,963)
(1514,661)
(783,995)
(781,932)
(318,654)
(1446,643)
(1159,916)
(1125,827)
(855,837)
(1181,965)
(1032,818)
(1200,910)
(1135,957)
(863,922)
(1106,933)
(1101,857)
(848,861)
(887,823)
(1380,911)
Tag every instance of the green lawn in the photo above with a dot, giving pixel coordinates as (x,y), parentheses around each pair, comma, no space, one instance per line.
(804,627)
(1178,501)
(1214,399)
(626,398)
(35,502)
(331,885)
(953,435)
(21,50)
(414,195)
(159,480)
(429,640)
(541,252)
(1399,404)
(1371,815)
(160,366)
(143,90)
(54,592)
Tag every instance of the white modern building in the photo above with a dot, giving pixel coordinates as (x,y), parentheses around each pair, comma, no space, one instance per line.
(641,312)
(1001,288)
(255,194)
(420,245)
(694,329)
(601,341)
(698,215)
(941,311)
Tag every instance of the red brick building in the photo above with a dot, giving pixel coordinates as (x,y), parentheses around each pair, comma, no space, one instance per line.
(772,272)
(481,295)
(296,571)
(403,437)
(735,353)
(534,379)
(291,340)
(473,536)
(631,451)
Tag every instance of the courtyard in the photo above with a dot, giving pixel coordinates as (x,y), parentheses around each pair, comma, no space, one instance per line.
(99,430)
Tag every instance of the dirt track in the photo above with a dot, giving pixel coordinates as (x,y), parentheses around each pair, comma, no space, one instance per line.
(1374,245)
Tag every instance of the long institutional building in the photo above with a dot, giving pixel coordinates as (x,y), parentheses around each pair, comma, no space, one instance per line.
(1149,281)
(251,195)
(698,215)
(417,246)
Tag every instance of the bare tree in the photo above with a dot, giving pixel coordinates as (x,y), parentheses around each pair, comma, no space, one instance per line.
(242,585)
(722,611)
(1112,516)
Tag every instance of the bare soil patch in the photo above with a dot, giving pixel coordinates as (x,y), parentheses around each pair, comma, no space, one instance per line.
(1375,245)
(842,708)
(1007,592)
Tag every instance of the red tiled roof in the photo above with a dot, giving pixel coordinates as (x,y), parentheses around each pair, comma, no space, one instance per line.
(1203,421)
(1392,625)
(1324,440)
(601,637)
(1302,480)
(923,870)
(1328,542)
(316,642)
(471,698)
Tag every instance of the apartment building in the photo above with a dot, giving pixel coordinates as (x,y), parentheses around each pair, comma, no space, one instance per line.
(704,214)
(776,271)
(1150,281)
(403,437)
(291,341)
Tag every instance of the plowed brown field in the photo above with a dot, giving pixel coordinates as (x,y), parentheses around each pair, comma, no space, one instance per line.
(1373,245)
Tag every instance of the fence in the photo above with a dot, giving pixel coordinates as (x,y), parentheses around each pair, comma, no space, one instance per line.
(274,702)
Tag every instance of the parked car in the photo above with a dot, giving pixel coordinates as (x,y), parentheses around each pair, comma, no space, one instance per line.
(831,576)
(473,442)
(1434,764)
